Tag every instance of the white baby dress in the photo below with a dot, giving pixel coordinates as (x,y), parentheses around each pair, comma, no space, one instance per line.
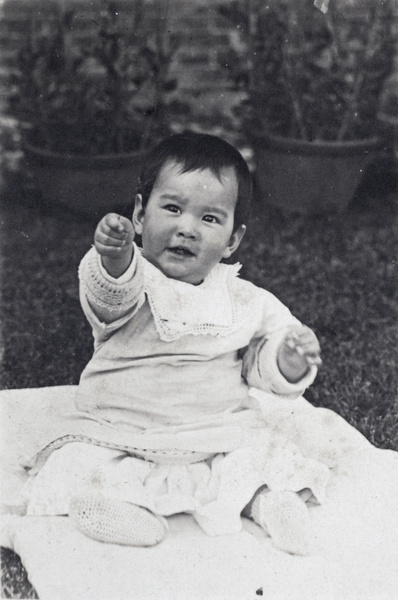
(173,410)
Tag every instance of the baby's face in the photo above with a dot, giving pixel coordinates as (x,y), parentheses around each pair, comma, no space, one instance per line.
(187,225)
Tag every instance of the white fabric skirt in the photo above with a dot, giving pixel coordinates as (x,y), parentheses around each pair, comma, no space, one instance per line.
(214,491)
(302,447)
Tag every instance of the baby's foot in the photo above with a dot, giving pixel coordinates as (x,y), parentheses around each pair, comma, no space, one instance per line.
(285,517)
(115,521)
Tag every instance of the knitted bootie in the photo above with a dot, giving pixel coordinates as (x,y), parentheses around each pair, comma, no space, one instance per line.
(115,521)
(284,516)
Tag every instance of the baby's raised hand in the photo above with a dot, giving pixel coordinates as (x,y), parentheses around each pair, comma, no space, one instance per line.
(299,350)
(113,240)
(114,236)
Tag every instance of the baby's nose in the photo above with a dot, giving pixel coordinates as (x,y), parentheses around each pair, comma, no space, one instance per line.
(187,228)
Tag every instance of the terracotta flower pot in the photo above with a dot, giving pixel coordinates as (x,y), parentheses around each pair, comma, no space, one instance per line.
(91,185)
(311,177)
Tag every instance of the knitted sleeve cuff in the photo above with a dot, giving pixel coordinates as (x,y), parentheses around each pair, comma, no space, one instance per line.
(102,290)
(264,373)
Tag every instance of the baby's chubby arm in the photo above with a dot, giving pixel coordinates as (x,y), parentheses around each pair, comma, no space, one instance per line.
(300,349)
(113,240)
(283,355)
(111,278)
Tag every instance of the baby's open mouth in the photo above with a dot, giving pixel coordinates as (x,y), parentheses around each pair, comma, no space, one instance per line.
(181,251)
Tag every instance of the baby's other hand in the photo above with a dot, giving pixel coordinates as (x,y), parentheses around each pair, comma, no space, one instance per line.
(304,342)
(114,236)
(299,350)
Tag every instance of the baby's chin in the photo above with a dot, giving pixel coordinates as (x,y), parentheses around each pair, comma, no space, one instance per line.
(181,267)
(179,273)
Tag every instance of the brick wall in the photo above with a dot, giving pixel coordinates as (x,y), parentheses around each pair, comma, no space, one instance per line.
(202,34)
(200,30)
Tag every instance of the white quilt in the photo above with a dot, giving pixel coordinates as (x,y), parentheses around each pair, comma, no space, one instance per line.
(356,529)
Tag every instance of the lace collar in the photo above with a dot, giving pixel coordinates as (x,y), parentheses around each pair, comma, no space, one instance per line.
(181,308)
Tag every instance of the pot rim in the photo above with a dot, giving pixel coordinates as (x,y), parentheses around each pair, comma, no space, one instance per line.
(83,161)
(318,147)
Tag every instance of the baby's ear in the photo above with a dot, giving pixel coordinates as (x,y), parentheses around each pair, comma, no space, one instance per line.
(138,214)
(234,241)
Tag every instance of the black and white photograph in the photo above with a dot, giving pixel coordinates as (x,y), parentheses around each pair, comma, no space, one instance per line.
(199,299)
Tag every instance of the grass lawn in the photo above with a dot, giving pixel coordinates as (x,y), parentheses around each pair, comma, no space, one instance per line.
(337,273)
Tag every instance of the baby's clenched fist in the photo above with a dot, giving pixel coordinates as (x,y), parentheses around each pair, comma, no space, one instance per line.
(114,236)
(113,240)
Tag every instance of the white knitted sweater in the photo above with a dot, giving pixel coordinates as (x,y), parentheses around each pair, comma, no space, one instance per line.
(175,366)
(172,357)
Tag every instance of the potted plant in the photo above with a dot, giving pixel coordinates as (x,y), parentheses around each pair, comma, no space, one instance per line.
(89,109)
(313,81)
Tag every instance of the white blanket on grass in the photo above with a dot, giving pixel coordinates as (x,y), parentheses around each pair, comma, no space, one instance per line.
(356,529)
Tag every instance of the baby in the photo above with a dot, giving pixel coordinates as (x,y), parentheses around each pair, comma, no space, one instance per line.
(169,417)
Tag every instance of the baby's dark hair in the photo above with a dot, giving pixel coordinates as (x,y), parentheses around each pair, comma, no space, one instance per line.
(199,151)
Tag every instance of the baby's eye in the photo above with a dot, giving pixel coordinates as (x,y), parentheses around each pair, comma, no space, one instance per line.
(172,208)
(211,219)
